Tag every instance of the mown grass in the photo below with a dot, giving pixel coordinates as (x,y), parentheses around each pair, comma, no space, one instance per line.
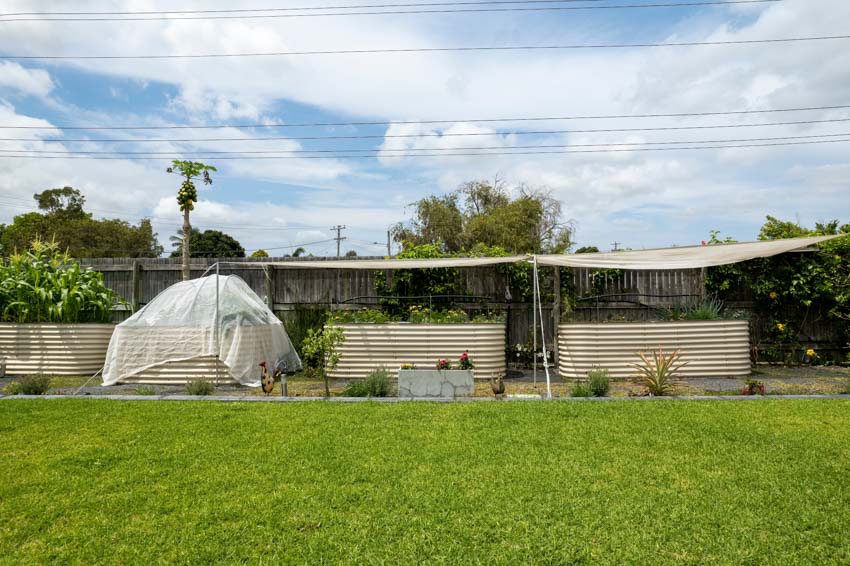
(98,481)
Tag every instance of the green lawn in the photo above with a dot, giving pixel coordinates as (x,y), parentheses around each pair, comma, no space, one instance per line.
(96,481)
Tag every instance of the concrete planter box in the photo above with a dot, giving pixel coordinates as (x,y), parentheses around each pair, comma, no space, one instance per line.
(437,383)
(713,348)
(370,346)
(56,349)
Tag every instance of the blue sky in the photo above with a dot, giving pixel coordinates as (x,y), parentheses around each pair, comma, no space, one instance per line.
(642,199)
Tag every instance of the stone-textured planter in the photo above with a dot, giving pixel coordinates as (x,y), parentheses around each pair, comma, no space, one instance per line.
(56,349)
(370,346)
(437,383)
(715,348)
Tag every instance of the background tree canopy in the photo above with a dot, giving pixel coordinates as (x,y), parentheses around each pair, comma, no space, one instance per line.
(482,213)
(209,243)
(64,220)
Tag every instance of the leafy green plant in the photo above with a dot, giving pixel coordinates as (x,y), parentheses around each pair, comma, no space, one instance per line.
(44,284)
(361,316)
(145,390)
(376,384)
(36,384)
(658,372)
(581,389)
(322,345)
(300,320)
(709,309)
(599,382)
(200,387)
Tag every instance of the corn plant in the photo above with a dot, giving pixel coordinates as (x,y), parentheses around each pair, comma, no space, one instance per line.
(658,372)
(44,284)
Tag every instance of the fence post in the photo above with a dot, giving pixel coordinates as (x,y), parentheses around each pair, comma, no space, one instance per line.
(136,294)
(268,271)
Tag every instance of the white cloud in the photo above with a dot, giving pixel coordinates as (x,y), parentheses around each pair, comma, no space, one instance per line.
(34,82)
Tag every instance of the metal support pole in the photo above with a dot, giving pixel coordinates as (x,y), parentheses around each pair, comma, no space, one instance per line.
(534,318)
(542,332)
(216,332)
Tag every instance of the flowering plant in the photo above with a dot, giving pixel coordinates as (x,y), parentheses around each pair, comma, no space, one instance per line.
(407,366)
(444,364)
(465,362)
(753,387)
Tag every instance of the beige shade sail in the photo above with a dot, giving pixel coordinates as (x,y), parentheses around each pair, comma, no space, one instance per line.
(392,263)
(686,257)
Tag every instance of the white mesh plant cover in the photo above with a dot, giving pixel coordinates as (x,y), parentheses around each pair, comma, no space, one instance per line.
(179,324)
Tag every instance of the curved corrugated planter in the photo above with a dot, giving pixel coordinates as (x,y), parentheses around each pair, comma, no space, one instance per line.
(56,349)
(716,348)
(370,346)
(183,371)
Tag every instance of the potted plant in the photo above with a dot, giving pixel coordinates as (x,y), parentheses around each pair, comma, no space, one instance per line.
(442,381)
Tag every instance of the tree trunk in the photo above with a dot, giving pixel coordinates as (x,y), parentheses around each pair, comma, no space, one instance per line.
(187,233)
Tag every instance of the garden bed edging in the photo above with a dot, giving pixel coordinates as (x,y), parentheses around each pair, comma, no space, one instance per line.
(55,349)
(712,348)
(370,346)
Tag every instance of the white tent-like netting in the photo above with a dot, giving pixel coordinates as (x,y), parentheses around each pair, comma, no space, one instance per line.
(206,317)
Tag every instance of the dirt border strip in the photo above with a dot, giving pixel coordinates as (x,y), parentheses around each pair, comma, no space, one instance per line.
(233,399)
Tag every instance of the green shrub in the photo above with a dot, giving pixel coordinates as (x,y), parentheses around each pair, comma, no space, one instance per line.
(37,384)
(356,389)
(200,387)
(376,384)
(599,382)
(299,322)
(581,389)
(145,390)
(43,284)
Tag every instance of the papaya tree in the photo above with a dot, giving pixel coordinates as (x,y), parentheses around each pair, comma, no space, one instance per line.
(187,196)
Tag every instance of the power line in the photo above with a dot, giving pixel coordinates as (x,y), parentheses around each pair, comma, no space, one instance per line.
(405,50)
(441,121)
(361,156)
(381,151)
(432,135)
(11,202)
(266,13)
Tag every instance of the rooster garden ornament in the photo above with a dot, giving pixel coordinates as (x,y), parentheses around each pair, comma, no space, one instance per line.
(266,380)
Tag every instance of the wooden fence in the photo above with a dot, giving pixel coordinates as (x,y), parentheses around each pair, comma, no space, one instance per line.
(614,295)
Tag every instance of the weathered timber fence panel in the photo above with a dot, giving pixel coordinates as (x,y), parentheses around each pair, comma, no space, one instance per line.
(622,295)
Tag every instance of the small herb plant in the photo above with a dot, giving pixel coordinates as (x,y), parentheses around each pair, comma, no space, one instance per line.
(376,384)
(407,366)
(581,389)
(200,387)
(659,371)
(37,384)
(599,382)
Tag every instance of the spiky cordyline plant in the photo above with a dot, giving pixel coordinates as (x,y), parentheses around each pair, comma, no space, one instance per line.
(659,372)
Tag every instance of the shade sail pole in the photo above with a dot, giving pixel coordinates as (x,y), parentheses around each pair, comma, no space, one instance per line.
(534,319)
(542,332)
(217,336)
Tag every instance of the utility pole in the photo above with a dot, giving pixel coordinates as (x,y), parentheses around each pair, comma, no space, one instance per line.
(616,246)
(339,238)
(389,245)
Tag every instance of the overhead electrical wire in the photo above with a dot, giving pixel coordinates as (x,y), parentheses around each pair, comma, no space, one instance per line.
(440,121)
(378,154)
(430,135)
(384,150)
(368,10)
(406,50)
